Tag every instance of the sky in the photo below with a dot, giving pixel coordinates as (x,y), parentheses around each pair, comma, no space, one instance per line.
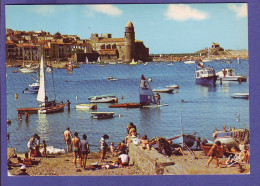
(164,28)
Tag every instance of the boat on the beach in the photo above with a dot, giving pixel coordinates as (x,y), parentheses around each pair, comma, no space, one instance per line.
(86,106)
(227,74)
(104,100)
(205,75)
(240,95)
(206,146)
(164,90)
(102,115)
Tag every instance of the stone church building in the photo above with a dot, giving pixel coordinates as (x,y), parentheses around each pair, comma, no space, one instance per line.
(120,49)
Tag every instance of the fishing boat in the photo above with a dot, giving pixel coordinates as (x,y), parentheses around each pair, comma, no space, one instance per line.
(102,115)
(232,138)
(86,106)
(240,95)
(47,106)
(227,74)
(206,146)
(164,90)
(104,100)
(30,91)
(205,75)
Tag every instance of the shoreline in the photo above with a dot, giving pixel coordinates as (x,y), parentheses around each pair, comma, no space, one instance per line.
(62,165)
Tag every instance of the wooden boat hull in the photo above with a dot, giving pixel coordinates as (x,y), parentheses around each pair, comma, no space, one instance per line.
(206,147)
(28,110)
(126,105)
(53,109)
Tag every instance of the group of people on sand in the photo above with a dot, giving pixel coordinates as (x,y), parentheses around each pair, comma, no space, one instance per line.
(34,145)
(80,148)
(233,155)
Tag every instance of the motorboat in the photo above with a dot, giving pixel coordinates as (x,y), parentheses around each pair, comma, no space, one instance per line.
(86,106)
(102,96)
(227,74)
(189,62)
(111,78)
(34,86)
(104,100)
(102,115)
(240,95)
(205,76)
(27,69)
(30,91)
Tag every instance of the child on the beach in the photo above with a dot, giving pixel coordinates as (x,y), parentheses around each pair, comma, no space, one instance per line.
(112,149)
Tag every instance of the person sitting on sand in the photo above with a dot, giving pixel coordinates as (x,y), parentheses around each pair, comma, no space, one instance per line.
(75,142)
(23,171)
(213,154)
(123,160)
(246,154)
(84,151)
(29,161)
(145,143)
(67,138)
(103,146)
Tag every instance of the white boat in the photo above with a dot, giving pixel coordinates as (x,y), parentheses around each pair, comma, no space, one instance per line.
(49,69)
(27,69)
(170,64)
(104,100)
(172,86)
(227,74)
(189,62)
(86,106)
(240,95)
(102,96)
(102,115)
(146,63)
(112,63)
(205,75)
(164,90)
(47,107)
(133,62)
(35,85)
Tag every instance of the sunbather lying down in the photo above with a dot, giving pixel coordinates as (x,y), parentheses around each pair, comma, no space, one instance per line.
(234,158)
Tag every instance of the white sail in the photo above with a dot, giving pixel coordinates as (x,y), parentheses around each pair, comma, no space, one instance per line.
(41,93)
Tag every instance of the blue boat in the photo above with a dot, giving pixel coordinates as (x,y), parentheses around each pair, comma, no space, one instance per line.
(205,75)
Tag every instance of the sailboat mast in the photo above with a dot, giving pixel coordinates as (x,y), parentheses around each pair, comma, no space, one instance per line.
(53,87)
(181,129)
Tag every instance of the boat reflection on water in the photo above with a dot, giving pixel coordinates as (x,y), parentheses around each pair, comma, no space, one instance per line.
(205,89)
(43,127)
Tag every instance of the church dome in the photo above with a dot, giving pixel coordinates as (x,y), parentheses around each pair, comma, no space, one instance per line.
(129,24)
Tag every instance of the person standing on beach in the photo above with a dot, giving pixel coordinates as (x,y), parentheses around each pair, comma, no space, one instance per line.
(84,151)
(67,138)
(31,143)
(75,142)
(213,154)
(103,147)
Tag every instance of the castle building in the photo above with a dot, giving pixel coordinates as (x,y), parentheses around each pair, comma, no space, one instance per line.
(120,49)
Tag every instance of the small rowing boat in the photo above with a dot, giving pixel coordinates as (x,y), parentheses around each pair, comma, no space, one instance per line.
(240,95)
(102,115)
(164,90)
(86,106)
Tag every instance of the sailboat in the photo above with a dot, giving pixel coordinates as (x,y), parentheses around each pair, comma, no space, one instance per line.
(133,62)
(46,106)
(146,95)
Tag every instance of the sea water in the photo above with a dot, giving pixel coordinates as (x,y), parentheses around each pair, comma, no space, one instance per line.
(204,108)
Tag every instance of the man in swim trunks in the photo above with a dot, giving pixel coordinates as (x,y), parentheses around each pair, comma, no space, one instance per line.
(67,138)
(75,142)
(84,151)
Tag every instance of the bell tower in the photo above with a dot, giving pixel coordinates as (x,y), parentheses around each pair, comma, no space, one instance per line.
(129,42)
